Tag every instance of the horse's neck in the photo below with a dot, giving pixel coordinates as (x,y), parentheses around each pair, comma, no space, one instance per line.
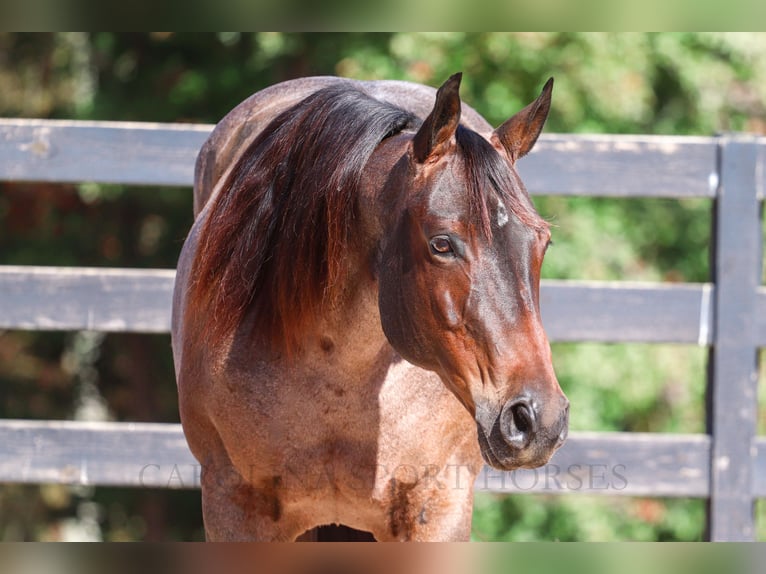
(348,338)
(351,334)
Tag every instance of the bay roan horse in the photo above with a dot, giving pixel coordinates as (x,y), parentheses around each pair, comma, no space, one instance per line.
(356,321)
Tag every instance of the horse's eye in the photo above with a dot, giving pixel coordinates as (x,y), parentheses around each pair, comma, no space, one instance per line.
(441,245)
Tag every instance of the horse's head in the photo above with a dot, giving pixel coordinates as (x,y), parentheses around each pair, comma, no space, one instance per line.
(459,278)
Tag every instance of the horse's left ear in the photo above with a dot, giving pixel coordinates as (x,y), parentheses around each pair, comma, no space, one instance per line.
(519,134)
(440,126)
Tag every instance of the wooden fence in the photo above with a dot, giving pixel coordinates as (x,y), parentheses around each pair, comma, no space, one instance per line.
(727,465)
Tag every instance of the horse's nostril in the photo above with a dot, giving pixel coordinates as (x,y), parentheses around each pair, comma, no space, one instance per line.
(518,423)
(522,417)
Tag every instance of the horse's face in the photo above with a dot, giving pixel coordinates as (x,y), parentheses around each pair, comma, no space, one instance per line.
(459,292)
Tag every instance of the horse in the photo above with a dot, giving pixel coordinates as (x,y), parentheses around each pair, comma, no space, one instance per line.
(356,327)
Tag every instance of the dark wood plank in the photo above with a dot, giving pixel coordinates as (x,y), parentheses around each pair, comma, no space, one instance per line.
(105,152)
(97,453)
(78,298)
(621,166)
(733,366)
(156,455)
(164,154)
(138,300)
(623,312)
(625,464)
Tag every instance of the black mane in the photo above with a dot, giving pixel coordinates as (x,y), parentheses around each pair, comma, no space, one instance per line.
(277,233)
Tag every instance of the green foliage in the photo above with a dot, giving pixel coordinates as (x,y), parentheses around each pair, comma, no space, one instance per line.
(583,518)
(684,84)
(637,239)
(633,388)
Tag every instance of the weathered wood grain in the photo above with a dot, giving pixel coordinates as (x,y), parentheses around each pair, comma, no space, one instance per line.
(99,453)
(623,312)
(164,154)
(79,298)
(733,364)
(626,464)
(621,166)
(138,300)
(156,455)
(104,152)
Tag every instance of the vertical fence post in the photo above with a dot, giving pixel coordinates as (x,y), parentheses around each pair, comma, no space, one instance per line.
(733,366)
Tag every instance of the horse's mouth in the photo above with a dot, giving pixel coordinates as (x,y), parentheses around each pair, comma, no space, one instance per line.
(514,459)
(486,451)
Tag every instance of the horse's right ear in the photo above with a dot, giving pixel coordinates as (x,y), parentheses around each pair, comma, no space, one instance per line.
(440,126)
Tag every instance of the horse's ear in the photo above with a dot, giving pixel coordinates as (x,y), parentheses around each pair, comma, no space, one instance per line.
(439,127)
(519,134)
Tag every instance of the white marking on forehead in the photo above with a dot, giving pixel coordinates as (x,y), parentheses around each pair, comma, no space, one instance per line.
(502,215)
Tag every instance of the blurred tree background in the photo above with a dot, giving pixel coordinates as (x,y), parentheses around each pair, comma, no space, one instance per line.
(687,83)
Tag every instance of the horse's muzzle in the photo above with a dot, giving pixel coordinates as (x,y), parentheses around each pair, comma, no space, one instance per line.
(518,437)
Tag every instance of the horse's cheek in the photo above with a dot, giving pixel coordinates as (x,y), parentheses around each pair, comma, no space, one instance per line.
(392,306)
(398,318)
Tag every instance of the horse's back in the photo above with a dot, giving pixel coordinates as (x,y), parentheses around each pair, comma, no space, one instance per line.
(234,133)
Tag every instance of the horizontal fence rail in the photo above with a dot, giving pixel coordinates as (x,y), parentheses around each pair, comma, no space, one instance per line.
(97,453)
(163,154)
(85,299)
(138,300)
(726,465)
(622,166)
(154,455)
(103,152)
